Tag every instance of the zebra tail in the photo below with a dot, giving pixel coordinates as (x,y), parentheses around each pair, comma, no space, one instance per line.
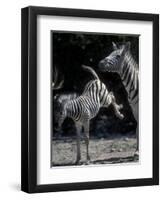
(87,68)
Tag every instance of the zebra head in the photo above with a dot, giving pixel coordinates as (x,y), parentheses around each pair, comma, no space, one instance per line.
(113,62)
(60,112)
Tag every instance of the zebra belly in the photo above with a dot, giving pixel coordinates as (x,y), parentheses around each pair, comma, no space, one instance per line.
(83,109)
(94,113)
(92,107)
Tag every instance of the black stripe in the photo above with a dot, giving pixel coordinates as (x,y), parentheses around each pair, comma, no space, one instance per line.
(106,97)
(103,95)
(126,72)
(77,108)
(73,109)
(70,108)
(135,94)
(92,100)
(128,78)
(132,86)
(88,103)
(80,110)
(132,83)
(100,89)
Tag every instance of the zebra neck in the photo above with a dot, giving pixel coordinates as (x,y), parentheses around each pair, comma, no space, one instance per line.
(129,76)
(69,109)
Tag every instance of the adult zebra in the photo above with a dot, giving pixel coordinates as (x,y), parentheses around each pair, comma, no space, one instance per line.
(122,62)
(85,107)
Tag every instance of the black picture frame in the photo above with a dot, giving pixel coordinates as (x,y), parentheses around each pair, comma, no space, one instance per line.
(29,99)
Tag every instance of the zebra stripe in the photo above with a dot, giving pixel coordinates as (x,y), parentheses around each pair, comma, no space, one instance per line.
(90,101)
(122,62)
(86,106)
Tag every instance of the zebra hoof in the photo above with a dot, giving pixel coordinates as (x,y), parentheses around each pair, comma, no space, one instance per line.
(78,162)
(87,162)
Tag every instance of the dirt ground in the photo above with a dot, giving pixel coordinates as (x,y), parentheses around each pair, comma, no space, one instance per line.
(101,151)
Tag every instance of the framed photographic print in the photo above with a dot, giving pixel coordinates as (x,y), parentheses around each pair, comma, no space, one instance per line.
(90,99)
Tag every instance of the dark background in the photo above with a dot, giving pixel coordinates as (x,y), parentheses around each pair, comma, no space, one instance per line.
(69,52)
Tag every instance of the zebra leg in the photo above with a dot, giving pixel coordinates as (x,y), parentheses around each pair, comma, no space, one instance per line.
(116,107)
(136,154)
(78,157)
(135,109)
(86,134)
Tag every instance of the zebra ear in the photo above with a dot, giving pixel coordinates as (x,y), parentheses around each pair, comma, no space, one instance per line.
(114,46)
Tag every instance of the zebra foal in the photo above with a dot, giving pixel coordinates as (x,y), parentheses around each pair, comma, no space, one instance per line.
(122,62)
(85,107)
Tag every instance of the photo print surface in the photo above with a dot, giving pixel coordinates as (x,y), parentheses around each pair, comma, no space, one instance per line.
(94,98)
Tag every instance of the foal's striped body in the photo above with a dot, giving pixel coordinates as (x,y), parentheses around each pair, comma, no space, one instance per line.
(86,106)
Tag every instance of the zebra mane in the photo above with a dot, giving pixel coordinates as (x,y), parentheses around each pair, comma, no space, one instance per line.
(129,60)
